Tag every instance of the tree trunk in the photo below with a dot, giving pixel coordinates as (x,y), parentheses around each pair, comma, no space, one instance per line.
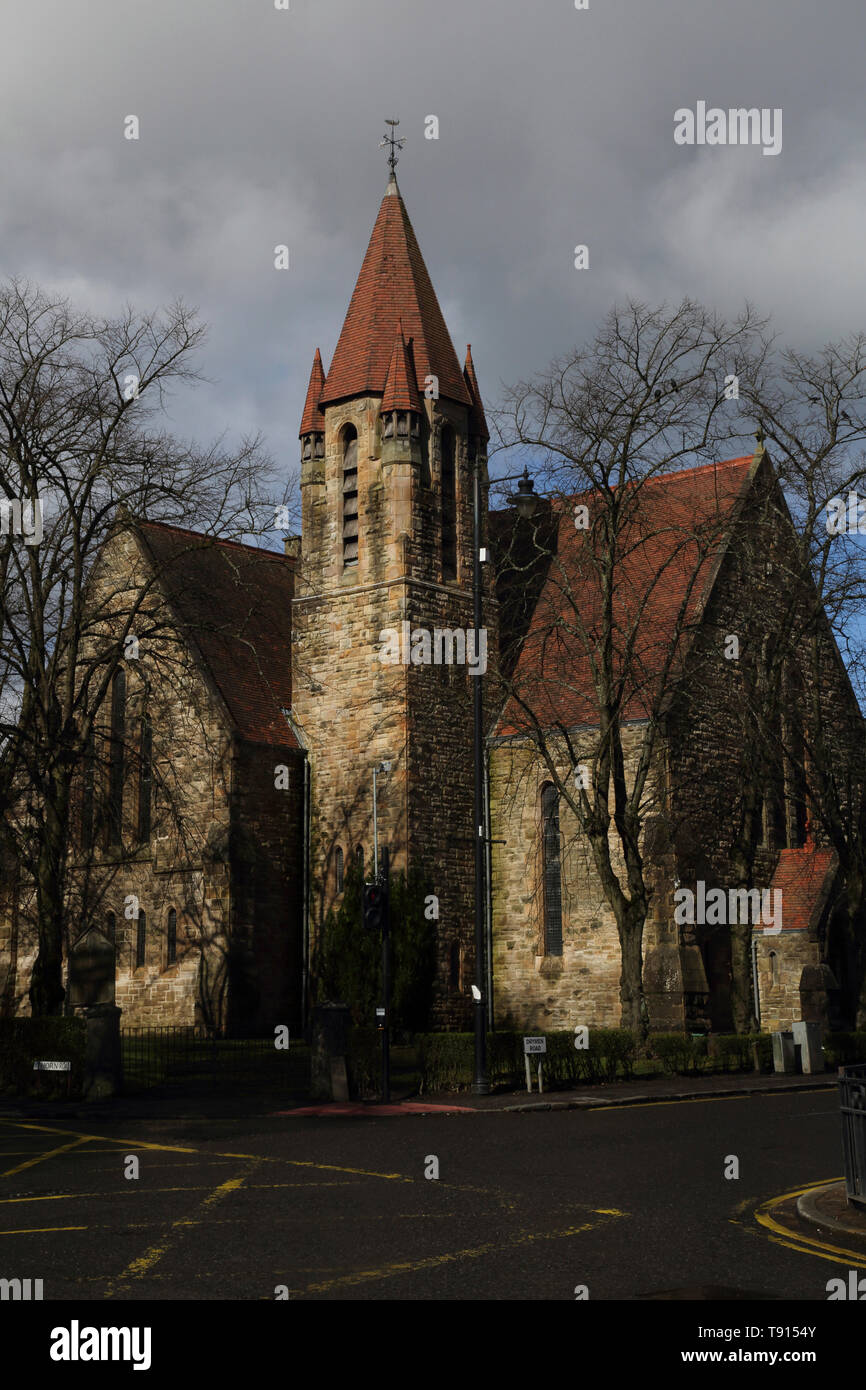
(46,984)
(742,1001)
(635,1015)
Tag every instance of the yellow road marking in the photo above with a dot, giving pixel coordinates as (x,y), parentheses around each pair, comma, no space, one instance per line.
(39,1230)
(137,1191)
(43,1157)
(214,1153)
(794,1240)
(700,1100)
(141,1266)
(103,1138)
(433,1261)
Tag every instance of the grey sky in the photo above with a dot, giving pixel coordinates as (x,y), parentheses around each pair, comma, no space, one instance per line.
(261,126)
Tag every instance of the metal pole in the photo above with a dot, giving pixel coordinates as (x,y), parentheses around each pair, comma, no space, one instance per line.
(480,1085)
(386,979)
(375,828)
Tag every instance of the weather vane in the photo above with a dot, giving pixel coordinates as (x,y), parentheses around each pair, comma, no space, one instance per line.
(391,139)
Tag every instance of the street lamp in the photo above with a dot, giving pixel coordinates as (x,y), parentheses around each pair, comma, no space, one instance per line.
(525,499)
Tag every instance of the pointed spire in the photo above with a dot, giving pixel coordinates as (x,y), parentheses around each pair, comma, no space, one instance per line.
(401,388)
(393,283)
(477,421)
(313,418)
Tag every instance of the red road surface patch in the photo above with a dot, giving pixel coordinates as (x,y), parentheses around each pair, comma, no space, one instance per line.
(407,1108)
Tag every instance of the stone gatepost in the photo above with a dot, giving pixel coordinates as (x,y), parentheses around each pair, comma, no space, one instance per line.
(330,1043)
(103,1068)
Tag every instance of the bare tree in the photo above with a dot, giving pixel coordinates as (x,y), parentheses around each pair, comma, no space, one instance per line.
(648,396)
(81,447)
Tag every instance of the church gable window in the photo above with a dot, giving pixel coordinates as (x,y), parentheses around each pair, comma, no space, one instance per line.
(551,871)
(350,495)
(171,937)
(338,857)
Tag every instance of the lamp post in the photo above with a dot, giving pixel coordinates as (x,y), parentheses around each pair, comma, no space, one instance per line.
(480,1085)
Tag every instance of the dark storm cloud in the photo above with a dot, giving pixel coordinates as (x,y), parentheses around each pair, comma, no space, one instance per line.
(260,127)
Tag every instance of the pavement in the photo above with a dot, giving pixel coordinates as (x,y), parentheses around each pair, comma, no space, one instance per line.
(156,1104)
(828,1209)
(641,1091)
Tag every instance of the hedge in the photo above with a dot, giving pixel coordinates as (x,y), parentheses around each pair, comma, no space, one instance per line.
(447,1060)
(684,1055)
(844,1049)
(24,1041)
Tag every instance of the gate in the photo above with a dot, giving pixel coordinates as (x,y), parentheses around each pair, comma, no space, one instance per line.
(852,1100)
(180,1061)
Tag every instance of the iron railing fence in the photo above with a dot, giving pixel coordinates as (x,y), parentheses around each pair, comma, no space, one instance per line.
(852,1101)
(187,1059)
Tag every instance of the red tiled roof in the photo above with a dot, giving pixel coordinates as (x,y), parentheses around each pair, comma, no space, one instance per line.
(805,877)
(477,421)
(667,552)
(401,388)
(235,602)
(393,282)
(313,417)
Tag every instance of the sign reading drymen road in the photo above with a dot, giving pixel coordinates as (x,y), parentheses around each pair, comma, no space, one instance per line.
(531,1045)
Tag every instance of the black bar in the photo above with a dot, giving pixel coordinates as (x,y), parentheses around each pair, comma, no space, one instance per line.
(386,977)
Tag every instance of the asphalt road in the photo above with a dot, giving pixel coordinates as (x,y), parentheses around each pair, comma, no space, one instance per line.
(633,1203)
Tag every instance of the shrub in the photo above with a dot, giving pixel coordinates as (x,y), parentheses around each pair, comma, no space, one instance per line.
(679,1054)
(845,1049)
(733,1051)
(447,1060)
(348,960)
(611,1050)
(364,1062)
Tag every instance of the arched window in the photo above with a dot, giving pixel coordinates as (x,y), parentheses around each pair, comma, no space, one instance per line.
(774,969)
(116,758)
(350,495)
(171,937)
(449,505)
(338,856)
(145,778)
(111,927)
(141,940)
(552,870)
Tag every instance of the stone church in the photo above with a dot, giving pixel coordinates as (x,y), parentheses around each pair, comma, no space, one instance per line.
(237,779)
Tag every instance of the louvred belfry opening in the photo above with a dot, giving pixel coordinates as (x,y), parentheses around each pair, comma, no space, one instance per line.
(350,495)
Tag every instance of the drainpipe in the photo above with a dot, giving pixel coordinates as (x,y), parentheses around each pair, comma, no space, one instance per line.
(755,979)
(305,969)
(488,906)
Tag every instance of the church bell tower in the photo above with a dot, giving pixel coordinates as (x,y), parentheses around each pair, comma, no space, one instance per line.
(384,646)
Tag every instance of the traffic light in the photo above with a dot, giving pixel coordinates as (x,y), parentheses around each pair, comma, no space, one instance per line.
(375,906)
